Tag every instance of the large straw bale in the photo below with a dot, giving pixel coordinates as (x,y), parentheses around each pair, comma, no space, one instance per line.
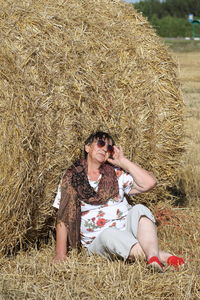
(69,68)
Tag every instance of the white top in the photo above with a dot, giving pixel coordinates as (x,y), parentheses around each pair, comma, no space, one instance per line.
(96,218)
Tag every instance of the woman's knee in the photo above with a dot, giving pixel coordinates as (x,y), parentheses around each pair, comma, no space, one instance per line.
(140,206)
(107,234)
(140,209)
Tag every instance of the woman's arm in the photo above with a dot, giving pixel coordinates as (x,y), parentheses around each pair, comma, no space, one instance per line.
(61,242)
(144,181)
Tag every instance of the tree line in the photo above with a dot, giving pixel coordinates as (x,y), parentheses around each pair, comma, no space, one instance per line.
(170,17)
(173,8)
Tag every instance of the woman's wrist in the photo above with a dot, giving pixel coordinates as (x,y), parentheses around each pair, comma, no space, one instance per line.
(125,164)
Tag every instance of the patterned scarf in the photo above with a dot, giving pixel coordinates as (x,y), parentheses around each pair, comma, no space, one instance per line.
(75,188)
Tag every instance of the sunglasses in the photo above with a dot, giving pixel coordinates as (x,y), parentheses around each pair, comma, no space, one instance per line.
(102,143)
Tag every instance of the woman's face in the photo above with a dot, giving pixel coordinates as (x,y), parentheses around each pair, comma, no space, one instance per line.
(98,153)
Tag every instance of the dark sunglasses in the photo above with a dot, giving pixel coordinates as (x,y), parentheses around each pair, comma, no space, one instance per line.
(102,143)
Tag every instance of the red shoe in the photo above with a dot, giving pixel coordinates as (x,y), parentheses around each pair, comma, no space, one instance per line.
(155,264)
(175,261)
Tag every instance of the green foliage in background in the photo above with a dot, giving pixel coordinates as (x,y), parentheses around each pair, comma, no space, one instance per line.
(171,27)
(169,17)
(174,8)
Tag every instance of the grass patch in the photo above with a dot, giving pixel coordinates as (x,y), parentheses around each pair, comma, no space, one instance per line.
(181,45)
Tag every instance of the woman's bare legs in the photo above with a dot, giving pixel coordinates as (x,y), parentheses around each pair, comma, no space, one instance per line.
(147,245)
(147,237)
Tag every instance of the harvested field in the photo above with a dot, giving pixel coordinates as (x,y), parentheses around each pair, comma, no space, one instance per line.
(30,275)
(190,79)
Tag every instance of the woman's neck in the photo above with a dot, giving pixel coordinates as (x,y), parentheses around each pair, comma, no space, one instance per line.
(93,170)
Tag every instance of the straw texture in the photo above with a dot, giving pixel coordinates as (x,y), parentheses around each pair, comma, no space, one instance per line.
(69,68)
(31,275)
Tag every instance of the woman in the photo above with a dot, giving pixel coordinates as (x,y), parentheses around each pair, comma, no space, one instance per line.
(93,210)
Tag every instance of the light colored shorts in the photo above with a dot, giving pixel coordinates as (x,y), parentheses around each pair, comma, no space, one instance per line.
(112,242)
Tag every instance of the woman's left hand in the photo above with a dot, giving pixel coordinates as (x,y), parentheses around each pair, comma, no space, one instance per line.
(118,157)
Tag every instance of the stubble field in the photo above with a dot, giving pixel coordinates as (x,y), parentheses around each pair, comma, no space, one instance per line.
(189,63)
(31,275)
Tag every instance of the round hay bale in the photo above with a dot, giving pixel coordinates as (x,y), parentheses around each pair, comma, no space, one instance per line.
(69,68)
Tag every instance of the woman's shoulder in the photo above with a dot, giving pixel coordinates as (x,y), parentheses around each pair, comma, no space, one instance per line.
(77,166)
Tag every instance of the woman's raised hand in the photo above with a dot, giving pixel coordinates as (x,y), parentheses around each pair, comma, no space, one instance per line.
(117,157)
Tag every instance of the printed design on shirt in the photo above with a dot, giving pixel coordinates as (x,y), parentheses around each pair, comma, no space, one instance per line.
(128,184)
(96,222)
(88,242)
(100,213)
(95,185)
(119,213)
(115,199)
(113,224)
(109,215)
(83,213)
(119,172)
(101,222)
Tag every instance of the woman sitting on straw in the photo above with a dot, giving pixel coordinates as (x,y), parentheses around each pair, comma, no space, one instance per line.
(93,211)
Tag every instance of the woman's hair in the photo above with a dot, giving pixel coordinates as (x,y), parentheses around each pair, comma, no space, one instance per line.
(99,135)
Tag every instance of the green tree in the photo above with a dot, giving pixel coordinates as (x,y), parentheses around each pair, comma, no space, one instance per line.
(150,7)
(181,8)
(171,26)
(176,8)
(169,18)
